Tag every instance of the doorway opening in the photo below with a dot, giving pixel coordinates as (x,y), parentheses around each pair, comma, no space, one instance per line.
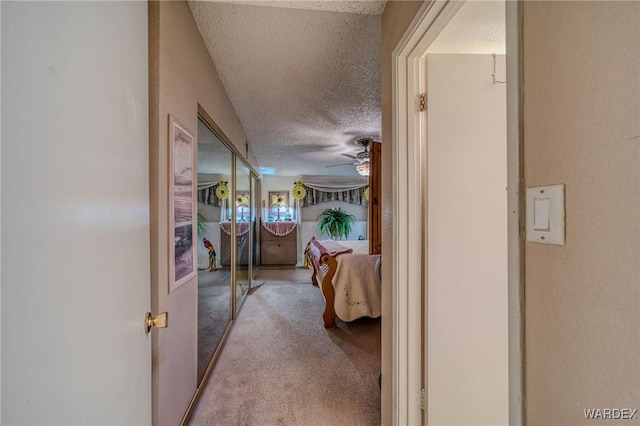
(433,197)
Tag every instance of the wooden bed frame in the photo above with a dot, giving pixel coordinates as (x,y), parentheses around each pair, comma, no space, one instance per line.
(327,270)
(321,256)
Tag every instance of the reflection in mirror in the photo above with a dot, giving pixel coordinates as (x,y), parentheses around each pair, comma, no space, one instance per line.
(254,227)
(214,255)
(243,227)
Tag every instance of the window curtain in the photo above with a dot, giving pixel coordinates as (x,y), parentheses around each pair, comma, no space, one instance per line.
(207,191)
(208,196)
(348,192)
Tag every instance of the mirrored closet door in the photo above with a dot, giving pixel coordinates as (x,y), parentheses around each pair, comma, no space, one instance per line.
(215,180)
(227,217)
(254,228)
(243,230)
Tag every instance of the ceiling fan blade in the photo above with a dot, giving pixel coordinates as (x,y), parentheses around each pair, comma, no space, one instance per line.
(349,156)
(336,165)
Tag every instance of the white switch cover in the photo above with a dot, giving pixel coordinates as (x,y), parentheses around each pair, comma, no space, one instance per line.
(545,214)
(541,213)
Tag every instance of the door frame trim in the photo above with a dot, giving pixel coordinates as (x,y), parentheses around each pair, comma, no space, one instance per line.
(409,207)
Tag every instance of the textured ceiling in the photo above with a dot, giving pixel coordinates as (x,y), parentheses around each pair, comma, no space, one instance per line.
(304,83)
(304,76)
(367,7)
(478,27)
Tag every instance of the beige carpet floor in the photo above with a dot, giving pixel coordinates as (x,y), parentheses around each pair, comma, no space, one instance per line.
(280,366)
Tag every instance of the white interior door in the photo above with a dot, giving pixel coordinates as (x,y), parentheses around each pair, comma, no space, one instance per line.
(75,213)
(467,299)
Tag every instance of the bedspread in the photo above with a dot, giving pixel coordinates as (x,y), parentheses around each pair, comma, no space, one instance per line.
(356,284)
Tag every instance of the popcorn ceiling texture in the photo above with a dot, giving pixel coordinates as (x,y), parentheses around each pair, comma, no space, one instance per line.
(304,83)
(367,7)
(478,27)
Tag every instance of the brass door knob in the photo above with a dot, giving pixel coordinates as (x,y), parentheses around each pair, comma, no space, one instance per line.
(160,321)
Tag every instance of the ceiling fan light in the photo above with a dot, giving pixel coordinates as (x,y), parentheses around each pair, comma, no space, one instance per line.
(363,156)
(363,169)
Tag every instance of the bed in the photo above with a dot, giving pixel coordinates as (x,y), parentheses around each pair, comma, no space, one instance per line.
(349,278)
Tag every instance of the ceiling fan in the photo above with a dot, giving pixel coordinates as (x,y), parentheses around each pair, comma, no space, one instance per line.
(359,158)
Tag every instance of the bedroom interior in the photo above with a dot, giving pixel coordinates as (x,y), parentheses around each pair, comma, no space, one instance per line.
(279,247)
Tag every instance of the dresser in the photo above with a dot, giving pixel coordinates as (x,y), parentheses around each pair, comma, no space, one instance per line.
(242,243)
(278,243)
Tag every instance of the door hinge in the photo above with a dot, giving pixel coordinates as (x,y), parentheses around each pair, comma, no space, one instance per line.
(423,400)
(422,102)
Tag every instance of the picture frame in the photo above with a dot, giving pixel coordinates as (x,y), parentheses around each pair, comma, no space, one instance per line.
(182,206)
(243,205)
(278,203)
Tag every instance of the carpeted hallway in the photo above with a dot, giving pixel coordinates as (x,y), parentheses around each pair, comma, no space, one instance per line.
(280,366)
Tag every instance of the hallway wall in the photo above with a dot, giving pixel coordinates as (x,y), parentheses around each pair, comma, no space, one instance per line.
(582,128)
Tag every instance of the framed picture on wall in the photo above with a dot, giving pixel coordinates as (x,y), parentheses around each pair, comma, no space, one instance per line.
(278,204)
(182,208)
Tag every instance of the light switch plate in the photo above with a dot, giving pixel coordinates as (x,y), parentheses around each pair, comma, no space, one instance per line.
(545,214)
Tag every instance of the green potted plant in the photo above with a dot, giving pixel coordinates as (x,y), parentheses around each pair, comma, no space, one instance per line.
(335,222)
(200,223)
